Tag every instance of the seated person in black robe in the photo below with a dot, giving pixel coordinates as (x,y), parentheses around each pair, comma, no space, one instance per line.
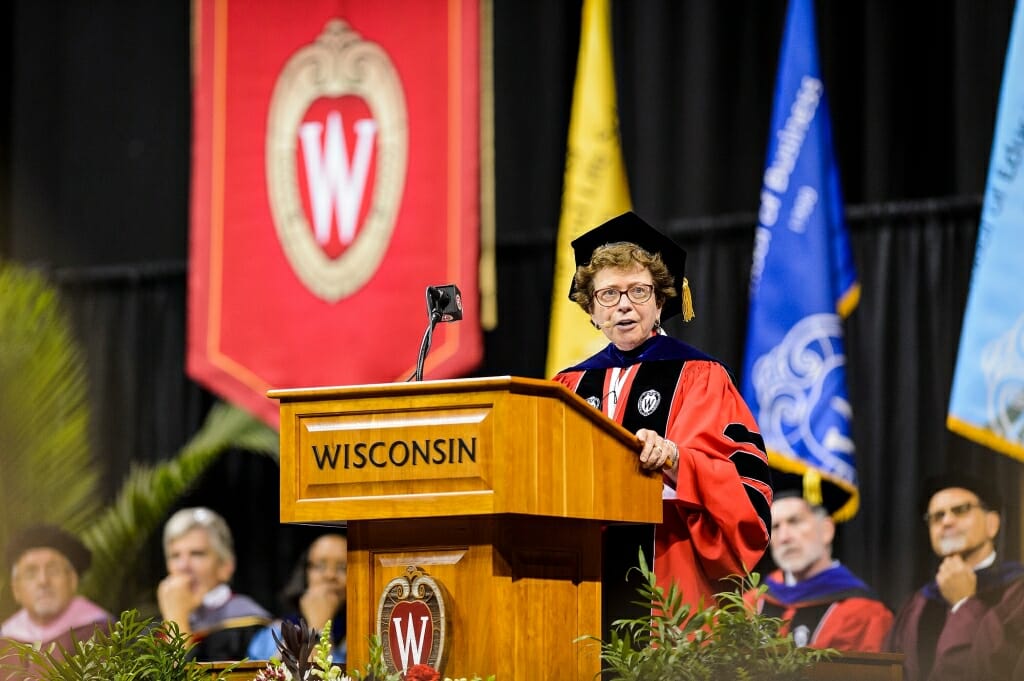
(196,596)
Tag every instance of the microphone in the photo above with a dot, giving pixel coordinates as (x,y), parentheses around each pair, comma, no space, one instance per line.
(444,301)
(444,304)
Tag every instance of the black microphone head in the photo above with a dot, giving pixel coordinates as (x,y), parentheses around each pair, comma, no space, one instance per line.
(446,302)
(436,297)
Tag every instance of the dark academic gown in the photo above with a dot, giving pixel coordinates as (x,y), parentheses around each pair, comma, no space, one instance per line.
(227,643)
(832,609)
(936,642)
(997,649)
(716,524)
(223,633)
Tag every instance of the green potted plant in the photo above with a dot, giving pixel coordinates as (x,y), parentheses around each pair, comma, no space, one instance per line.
(132,649)
(726,640)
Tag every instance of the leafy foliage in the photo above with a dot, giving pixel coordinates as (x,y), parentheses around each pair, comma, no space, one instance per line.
(727,640)
(304,655)
(323,663)
(296,644)
(133,650)
(46,470)
(376,669)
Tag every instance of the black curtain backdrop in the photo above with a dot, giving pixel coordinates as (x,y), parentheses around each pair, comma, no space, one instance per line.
(95,162)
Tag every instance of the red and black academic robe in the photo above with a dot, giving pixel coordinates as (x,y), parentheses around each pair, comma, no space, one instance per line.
(832,609)
(939,644)
(716,523)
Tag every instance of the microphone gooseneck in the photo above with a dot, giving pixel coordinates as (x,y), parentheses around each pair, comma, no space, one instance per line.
(424,348)
(444,304)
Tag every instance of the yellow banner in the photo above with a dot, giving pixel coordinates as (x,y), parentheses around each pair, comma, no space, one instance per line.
(595,186)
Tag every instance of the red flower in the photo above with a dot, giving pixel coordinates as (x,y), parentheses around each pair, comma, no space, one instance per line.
(422,672)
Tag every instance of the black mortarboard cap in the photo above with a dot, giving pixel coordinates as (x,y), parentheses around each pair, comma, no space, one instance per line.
(986,490)
(813,489)
(51,537)
(631,228)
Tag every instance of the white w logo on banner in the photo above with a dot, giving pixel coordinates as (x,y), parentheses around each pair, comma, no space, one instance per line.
(334,182)
(410,646)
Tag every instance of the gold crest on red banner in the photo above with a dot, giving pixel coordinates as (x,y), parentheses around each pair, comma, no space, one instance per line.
(339,63)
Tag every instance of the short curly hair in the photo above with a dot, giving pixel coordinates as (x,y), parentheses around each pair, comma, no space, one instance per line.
(622,255)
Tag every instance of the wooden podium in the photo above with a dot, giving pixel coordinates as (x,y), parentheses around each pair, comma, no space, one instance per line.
(498,488)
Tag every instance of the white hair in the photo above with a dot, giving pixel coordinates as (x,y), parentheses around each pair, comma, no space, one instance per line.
(211,522)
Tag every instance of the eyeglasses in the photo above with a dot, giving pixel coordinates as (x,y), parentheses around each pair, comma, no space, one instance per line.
(637,293)
(30,573)
(958,511)
(323,566)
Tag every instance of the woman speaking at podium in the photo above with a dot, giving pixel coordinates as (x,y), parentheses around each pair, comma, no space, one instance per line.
(681,403)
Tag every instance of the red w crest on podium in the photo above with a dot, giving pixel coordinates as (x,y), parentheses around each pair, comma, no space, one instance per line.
(412,621)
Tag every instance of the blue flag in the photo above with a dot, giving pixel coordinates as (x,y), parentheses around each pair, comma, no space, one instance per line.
(802,282)
(987,400)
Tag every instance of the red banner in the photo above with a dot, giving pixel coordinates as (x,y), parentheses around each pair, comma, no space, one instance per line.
(334,177)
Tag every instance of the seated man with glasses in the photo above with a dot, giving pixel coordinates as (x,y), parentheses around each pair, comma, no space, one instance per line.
(937,629)
(315,593)
(45,563)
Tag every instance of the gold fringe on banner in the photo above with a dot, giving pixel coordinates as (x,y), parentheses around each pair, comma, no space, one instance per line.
(488,229)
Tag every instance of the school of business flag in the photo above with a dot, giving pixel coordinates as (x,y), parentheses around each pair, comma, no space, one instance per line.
(803,280)
(595,186)
(987,399)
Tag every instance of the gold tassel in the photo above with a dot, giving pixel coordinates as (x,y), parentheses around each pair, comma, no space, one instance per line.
(812,487)
(687,301)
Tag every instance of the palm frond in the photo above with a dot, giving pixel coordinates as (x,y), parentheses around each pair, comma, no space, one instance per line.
(149,493)
(46,471)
